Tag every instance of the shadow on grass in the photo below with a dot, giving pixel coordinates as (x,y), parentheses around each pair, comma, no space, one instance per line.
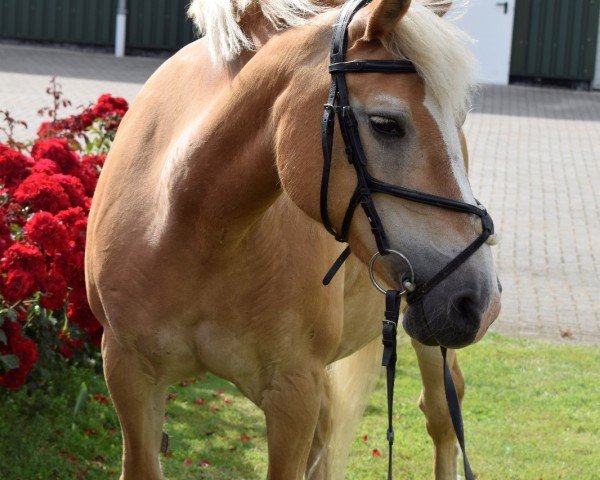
(215,433)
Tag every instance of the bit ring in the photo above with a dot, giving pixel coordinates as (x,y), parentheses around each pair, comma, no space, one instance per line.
(407,285)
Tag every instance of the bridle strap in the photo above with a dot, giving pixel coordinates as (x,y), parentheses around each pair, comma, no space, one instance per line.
(373,66)
(454,408)
(389,333)
(336,266)
(456,262)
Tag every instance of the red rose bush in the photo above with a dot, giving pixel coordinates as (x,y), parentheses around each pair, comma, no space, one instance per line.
(45,196)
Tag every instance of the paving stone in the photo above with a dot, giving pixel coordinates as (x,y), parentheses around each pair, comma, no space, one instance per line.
(535,163)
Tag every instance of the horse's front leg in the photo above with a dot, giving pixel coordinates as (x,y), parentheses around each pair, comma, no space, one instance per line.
(433,404)
(140,404)
(291,404)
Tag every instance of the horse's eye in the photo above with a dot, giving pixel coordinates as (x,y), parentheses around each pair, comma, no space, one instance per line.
(387,126)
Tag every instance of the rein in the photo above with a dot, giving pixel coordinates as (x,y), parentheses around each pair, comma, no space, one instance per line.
(338,105)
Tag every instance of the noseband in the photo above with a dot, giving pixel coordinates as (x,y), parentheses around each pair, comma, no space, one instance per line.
(338,104)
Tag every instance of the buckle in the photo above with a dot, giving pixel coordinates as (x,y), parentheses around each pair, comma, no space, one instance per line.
(333,108)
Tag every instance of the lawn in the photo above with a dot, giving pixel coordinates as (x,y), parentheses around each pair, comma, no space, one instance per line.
(532,412)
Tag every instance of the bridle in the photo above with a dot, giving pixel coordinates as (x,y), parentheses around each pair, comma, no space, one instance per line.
(338,105)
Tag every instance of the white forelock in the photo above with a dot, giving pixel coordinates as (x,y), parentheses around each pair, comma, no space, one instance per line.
(440,51)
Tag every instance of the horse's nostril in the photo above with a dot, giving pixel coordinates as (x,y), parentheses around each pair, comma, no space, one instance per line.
(499,284)
(466,308)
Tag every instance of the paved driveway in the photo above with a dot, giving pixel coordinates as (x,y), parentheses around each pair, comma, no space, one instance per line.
(535,156)
(535,163)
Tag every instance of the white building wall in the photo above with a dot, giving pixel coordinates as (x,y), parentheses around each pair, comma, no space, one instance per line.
(490,24)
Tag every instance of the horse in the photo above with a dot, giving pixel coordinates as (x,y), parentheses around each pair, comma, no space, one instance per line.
(205,246)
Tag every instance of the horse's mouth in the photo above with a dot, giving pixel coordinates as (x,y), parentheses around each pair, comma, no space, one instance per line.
(416,326)
(440,331)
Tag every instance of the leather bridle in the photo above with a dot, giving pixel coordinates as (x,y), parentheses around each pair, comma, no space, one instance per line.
(338,104)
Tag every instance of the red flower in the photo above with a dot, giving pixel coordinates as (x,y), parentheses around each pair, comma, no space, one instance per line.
(69,264)
(12,214)
(46,230)
(47,129)
(57,150)
(18,285)
(376,452)
(74,189)
(67,345)
(100,398)
(14,167)
(109,105)
(80,314)
(86,118)
(91,166)
(42,192)
(54,291)
(76,222)
(5,238)
(26,258)
(26,351)
(94,161)
(45,165)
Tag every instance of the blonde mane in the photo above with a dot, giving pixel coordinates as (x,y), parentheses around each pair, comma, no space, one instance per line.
(437,47)
(218,21)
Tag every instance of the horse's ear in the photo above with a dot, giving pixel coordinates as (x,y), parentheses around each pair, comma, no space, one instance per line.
(441,7)
(386,14)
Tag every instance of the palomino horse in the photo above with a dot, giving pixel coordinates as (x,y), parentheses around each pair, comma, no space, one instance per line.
(205,246)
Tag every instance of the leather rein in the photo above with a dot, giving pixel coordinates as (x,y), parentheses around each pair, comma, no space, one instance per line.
(338,104)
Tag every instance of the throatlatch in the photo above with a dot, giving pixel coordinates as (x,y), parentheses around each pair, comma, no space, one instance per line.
(338,104)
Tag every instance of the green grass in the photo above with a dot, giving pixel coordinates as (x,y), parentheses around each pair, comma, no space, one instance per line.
(532,412)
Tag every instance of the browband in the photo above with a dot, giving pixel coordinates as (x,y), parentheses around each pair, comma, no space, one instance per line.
(373,66)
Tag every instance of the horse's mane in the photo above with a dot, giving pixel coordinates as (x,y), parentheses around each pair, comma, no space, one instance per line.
(218,21)
(437,47)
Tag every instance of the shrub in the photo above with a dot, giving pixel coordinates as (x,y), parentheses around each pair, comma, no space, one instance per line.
(45,195)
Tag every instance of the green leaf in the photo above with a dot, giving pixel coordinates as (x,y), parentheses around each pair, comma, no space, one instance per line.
(10,362)
(9,313)
(81,398)
(3,338)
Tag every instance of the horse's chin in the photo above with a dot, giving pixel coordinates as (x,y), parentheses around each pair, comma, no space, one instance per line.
(449,332)
(415,325)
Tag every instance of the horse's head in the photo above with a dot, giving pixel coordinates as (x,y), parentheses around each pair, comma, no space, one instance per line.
(410,129)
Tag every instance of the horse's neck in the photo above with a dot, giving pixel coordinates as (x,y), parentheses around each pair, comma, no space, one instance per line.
(227,171)
(227,159)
